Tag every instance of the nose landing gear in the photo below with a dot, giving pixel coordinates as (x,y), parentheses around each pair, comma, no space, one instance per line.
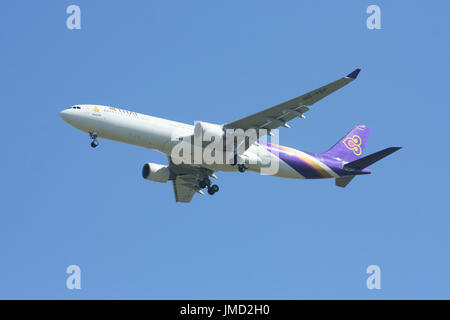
(94,143)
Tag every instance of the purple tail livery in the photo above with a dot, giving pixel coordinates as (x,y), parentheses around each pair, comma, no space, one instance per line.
(349,150)
(350,147)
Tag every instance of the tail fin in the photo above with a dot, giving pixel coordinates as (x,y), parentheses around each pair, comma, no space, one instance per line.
(350,147)
(370,159)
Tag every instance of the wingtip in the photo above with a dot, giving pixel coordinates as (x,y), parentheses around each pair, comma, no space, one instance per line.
(393,149)
(354,74)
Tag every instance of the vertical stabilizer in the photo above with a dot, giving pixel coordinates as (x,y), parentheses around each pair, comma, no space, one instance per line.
(350,147)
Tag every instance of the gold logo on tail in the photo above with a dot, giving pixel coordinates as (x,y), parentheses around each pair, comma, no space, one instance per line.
(354,144)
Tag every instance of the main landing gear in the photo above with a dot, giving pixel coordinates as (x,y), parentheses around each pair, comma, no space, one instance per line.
(241,167)
(213,189)
(94,143)
(207,184)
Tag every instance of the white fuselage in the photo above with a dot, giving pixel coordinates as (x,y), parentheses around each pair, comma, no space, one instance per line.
(125,126)
(154,133)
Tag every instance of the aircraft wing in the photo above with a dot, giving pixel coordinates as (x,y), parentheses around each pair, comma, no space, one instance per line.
(186,180)
(280,114)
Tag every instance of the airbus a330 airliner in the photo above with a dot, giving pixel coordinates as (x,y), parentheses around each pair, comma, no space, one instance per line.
(342,162)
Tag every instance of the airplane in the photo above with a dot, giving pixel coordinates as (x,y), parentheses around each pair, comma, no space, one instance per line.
(342,162)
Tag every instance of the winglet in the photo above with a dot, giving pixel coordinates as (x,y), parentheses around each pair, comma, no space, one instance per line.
(354,74)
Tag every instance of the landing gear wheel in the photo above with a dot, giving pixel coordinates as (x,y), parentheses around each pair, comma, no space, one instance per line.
(242,167)
(213,189)
(204,183)
(94,143)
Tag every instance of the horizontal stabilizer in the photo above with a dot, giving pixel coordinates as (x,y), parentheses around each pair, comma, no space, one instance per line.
(370,159)
(344,181)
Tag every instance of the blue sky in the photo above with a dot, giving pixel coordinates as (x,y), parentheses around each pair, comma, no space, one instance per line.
(63,203)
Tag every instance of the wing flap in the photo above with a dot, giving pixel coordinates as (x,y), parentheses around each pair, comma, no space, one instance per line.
(184,192)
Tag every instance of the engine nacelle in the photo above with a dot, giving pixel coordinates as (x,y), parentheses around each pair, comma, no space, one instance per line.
(208,130)
(156,172)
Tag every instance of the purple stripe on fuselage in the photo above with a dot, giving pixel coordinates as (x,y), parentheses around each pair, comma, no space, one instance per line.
(305,169)
(294,161)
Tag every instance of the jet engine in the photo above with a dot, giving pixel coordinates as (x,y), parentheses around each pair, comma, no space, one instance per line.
(156,172)
(205,129)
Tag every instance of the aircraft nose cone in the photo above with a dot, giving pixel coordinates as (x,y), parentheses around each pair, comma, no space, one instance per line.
(64,115)
(67,115)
